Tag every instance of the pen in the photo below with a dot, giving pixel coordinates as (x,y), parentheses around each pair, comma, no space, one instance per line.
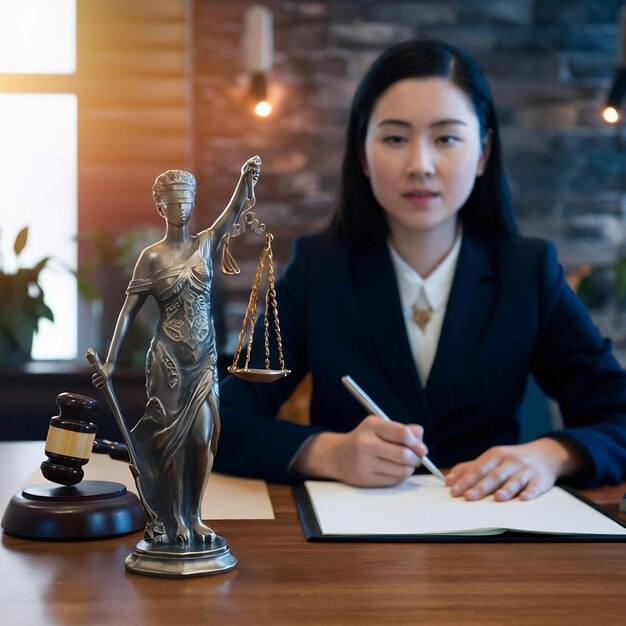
(373,408)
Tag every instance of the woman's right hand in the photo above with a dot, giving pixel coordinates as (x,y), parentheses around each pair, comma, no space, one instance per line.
(99,379)
(377,453)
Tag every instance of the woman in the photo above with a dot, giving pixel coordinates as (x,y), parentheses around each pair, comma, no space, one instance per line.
(176,438)
(423,291)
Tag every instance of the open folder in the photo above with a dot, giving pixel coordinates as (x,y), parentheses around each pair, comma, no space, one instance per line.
(422,509)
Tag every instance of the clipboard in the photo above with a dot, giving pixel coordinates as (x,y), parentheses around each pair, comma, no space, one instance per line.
(313,531)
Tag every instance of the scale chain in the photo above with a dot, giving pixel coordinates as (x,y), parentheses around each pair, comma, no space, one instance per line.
(265,264)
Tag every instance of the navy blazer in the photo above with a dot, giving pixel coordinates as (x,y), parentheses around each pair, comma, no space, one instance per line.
(510,314)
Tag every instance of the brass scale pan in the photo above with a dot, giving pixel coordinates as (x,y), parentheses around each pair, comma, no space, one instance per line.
(258,375)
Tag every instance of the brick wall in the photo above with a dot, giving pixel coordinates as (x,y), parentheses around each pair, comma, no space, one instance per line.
(549,63)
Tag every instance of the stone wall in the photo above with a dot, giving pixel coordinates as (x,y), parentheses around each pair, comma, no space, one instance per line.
(549,63)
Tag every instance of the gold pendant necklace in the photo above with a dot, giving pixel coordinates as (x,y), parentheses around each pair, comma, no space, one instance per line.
(422,317)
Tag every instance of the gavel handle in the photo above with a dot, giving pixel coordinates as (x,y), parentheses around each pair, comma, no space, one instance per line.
(115,449)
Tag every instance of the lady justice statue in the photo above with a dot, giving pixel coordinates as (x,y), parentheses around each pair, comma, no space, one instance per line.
(173,445)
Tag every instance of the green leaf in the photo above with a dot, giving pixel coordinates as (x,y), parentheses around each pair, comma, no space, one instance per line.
(37,269)
(20,241)
(42,310)
(23,336)
(595,289)
(620,279)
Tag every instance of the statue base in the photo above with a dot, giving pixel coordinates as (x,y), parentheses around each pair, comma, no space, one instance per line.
(181,562)
(92,509)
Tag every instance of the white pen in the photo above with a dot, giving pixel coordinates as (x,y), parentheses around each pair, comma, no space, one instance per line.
(374,409)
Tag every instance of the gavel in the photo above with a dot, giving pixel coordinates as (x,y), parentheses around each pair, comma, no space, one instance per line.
(70,439)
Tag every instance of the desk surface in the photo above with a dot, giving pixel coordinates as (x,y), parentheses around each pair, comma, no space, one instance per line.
(283,579)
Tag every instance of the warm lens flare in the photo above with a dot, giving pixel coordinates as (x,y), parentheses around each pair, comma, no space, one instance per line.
(610,115)
(263,109)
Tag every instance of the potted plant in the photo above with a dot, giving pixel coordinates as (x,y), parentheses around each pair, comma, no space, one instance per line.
(22,305)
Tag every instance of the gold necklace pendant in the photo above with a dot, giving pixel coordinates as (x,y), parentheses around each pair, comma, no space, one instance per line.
(422,317)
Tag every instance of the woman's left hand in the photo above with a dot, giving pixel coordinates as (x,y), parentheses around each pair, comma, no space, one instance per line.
(525,470)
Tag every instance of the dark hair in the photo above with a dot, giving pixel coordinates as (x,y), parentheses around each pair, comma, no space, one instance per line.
(488,210)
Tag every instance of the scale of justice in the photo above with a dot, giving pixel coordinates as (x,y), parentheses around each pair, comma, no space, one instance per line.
(80,510)
(265,268)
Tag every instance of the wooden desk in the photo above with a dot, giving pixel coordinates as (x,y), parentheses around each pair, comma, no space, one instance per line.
(282,579)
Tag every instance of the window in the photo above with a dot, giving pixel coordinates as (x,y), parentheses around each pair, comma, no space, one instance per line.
(38,37)
(38,154)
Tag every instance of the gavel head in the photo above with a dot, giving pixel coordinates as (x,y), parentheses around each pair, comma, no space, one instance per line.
(70,439)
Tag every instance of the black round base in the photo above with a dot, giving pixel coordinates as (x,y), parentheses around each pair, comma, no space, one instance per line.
(92,509)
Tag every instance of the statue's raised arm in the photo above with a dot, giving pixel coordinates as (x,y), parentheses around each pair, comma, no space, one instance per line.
(242,200)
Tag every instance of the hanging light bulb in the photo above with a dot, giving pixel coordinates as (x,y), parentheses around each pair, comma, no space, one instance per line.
(263,108)
(258,47)
(610,115)
(611,111)
(258,92)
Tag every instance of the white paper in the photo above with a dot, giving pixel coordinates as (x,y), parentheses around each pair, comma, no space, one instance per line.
(225,497)
(422,505)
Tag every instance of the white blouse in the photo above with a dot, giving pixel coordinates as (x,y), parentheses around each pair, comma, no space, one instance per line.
(432,292)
